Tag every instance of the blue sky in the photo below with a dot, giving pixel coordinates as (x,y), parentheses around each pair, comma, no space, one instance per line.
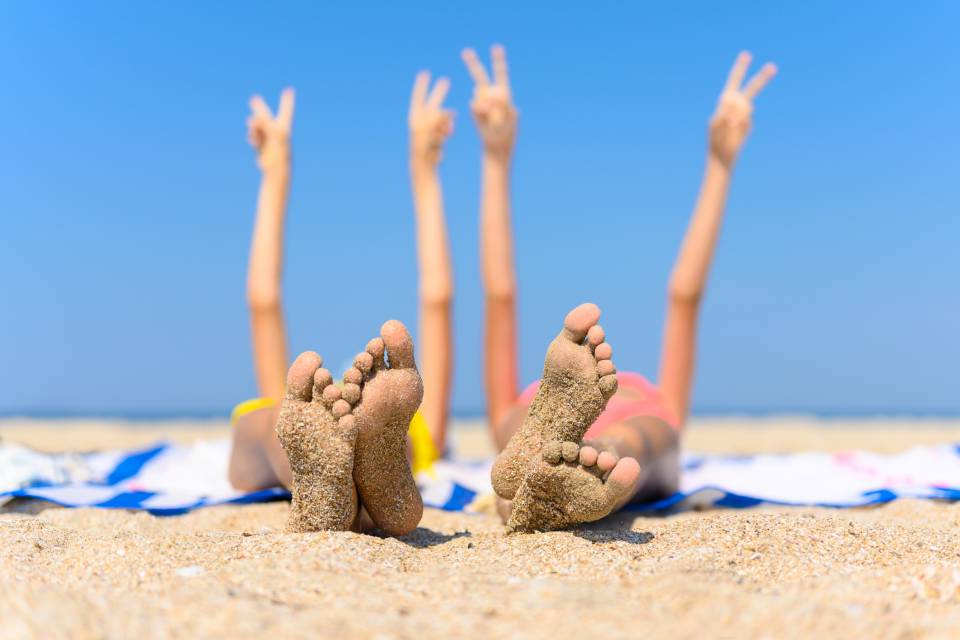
(128,192)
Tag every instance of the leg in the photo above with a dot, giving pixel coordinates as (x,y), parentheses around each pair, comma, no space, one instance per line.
(728,130)
(256,455)
(257,459)
(496,119)
(429,127)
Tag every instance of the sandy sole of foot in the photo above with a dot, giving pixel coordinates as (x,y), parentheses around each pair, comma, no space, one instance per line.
(888,572)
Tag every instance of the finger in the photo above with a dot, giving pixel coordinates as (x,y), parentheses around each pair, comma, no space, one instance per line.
(446,124)
(500,75)
(438,93)
(260,108)
(255,136)
(419,93)
(475,67)
(285,110)
(759,81)
(738,71)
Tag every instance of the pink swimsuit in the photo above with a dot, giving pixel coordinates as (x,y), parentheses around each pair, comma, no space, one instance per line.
(650,403)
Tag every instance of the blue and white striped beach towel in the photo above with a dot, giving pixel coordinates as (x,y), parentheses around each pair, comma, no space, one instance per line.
(169,479)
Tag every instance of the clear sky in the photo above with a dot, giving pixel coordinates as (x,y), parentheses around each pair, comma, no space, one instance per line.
(128,192)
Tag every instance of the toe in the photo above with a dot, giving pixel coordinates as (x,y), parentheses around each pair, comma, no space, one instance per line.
(606,368)
(330,395)
(399,345)
(376,348)
(606,461)
(300,375)
(579,321)
(552,452)
(608,385)
(348,424)
(350,392)
(623,479)
(596,336)
(363,362)
(321,380)
(340,408)
(353,376)
(603,351)
(570,451)
(588,456)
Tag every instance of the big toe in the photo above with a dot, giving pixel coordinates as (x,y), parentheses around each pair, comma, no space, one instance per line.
(579,321)
(622,481)
(300,375)
(399,344)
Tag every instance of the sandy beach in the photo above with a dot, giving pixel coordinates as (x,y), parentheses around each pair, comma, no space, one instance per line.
(887,572)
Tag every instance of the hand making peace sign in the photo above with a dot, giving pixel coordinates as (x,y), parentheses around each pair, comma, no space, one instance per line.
(430,123)
(270,135)
(731,122)
(492,108)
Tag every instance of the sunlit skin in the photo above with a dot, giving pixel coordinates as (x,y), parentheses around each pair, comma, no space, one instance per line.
(269,135)
(650,441)
(728,129)
(430,126)
(653,443)
(257,459)
(496,119)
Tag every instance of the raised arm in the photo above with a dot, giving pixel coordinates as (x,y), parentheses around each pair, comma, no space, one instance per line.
(270,137)
(496,119)
(430,125)
(729,127)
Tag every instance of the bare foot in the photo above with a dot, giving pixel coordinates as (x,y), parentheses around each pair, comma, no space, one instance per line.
(571,485)
(386,398)
(319,435)
(578,379)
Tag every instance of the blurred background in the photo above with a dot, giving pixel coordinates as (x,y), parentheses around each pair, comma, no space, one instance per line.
(128,193)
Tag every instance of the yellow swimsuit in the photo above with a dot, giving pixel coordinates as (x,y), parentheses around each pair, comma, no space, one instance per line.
(424,451)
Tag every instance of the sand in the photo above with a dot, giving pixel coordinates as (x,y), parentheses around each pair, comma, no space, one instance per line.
(888,572)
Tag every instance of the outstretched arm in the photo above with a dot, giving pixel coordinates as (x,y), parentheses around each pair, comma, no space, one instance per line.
(430,125)
(270,137)
(729,127)
(496,119)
